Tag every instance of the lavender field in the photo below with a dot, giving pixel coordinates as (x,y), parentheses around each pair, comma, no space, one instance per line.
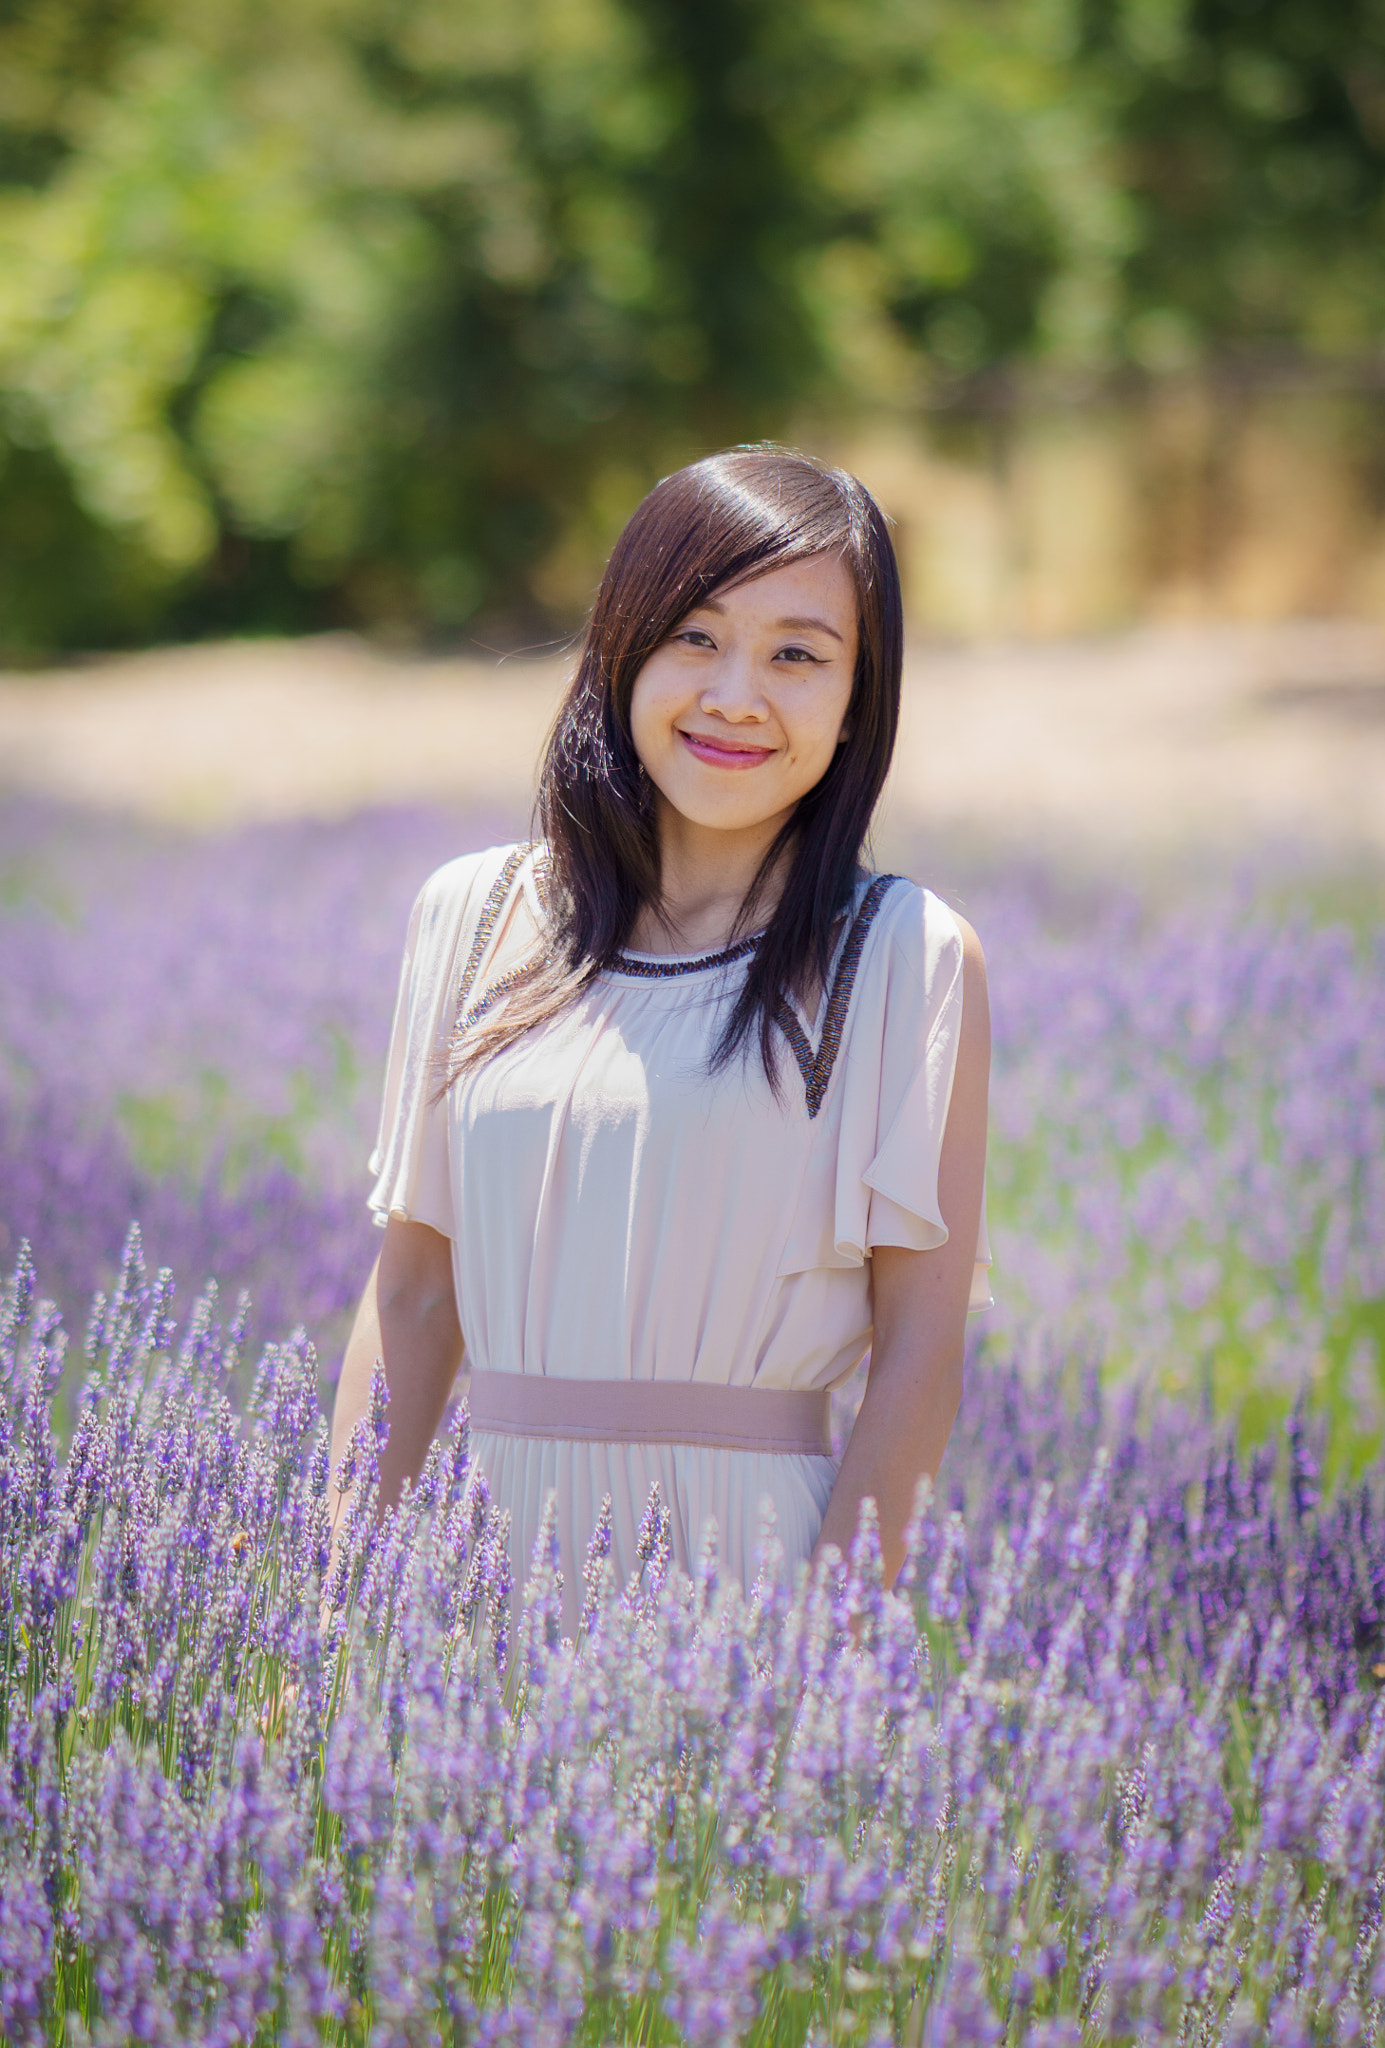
(1113,1770)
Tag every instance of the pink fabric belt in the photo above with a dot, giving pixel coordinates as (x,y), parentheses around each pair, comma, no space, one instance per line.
(651,1412)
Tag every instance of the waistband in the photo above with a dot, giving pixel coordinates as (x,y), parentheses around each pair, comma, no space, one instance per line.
(651,1412)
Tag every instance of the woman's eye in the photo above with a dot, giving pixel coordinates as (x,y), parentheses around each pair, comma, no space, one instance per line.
(695,637)
(796,654)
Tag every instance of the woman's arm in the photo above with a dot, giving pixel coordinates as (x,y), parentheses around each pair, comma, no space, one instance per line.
(408,1320)
(920,1312)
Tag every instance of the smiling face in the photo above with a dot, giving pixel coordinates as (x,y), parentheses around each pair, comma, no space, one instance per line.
(739,713)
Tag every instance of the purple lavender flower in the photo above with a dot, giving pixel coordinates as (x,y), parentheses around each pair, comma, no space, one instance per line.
(1110,1758)
(594,1567)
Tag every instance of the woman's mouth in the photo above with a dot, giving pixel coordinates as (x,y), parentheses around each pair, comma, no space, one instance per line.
(724,753)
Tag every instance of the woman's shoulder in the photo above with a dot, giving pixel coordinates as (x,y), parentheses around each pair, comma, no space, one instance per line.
(920,958)
(455,899)
(916,930)
(467,879)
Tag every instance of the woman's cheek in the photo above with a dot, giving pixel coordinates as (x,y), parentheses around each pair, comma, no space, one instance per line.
(643,729)
(654,704)
(818,742)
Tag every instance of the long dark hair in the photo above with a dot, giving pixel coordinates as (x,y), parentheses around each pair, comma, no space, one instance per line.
(719,522)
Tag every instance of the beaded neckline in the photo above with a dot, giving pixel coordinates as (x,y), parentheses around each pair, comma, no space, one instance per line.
(654,967)
(815,1068)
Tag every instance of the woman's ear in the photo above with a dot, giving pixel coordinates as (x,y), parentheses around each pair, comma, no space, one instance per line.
(845,734)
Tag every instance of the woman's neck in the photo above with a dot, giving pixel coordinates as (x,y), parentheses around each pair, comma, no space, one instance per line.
(706,877)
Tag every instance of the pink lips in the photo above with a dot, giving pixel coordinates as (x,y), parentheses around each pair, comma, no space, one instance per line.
(718,755)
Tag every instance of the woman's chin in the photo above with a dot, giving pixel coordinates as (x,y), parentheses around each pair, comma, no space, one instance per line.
(698,811)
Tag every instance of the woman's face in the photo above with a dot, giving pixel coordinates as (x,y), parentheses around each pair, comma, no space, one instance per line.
(738,714)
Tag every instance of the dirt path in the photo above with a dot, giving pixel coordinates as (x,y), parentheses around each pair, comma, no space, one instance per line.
(1159,741)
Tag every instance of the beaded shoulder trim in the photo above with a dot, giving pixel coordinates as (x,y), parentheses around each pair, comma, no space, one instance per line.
(816,1068)
(494,904)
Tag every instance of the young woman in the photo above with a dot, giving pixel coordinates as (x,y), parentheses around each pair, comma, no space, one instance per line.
(685,1109)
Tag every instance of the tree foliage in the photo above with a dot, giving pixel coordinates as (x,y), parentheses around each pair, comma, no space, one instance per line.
(385,311)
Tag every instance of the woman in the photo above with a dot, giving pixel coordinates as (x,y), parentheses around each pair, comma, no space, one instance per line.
(684,1111)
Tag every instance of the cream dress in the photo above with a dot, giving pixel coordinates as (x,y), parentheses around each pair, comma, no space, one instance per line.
(617,1213)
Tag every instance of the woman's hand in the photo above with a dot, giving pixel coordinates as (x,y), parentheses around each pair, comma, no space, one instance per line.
(920,1312)
(408,1320)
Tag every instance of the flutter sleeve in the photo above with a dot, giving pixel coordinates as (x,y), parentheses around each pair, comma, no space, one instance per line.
(410,1162)
(899,1060)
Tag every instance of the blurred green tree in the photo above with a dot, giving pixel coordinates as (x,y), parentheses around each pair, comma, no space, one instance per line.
(385,311)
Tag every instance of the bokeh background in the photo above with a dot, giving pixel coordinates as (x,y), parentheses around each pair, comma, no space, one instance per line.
(344,313)
(337,340)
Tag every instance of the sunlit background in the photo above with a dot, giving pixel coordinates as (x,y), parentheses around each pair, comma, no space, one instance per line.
(352,331)
(340,313)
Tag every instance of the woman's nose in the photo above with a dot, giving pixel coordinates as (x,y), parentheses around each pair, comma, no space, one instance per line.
(734,690)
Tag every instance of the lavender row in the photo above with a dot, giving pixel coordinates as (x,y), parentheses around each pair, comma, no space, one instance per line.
(192,1032)
(1189,1117)
(1187,1170)
(1109,1768)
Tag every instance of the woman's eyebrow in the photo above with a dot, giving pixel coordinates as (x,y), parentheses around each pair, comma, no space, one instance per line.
(808,625)
(794,625)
